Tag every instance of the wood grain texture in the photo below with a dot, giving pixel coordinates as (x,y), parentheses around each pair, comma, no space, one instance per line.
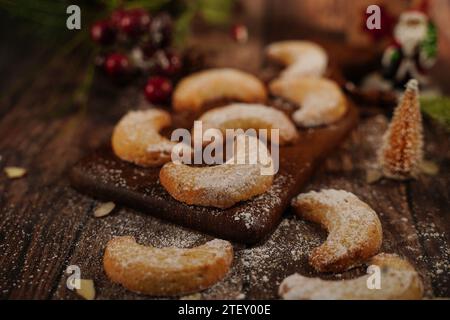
(46,226)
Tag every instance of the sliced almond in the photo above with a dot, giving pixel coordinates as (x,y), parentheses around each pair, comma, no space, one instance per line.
(194,296)
(104,209)
(429,168)
(15,172)
(373,175)
(87,289)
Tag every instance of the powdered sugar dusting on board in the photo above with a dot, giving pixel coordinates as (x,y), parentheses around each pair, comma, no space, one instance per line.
(284,252)
(440,262)
(264,203)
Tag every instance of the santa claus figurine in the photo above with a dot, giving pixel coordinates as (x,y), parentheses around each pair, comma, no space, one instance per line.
(413,50)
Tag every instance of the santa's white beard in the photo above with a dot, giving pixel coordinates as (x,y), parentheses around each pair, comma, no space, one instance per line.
(410,37)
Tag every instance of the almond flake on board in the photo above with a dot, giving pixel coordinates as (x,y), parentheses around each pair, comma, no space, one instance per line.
(104,209)
(373,175)
(15,172)
(429,168)
(87,289)
(194,296)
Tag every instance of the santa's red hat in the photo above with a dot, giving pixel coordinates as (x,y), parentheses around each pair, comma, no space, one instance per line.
(422,6)
(419,10)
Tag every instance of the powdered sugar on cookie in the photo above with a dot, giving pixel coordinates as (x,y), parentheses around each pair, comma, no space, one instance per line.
(199,88)
(250,116)
(399,280)
(166,271)
(321,100)
(222,186)
(136,138)
(355,232)
(302,58)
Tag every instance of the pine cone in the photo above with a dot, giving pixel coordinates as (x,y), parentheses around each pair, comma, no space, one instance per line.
(402,151)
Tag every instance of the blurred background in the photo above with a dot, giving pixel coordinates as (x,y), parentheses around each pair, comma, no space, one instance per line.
(122,39)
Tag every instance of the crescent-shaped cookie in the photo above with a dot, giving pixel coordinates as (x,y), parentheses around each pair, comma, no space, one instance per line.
(250,116)
(198,89)
(321,100)
(166,271)
(301,58)
(223,185)
(398,281)
(136,138)
(354,230)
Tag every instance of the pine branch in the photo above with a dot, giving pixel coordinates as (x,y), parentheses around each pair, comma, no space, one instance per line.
(438,109)
(47,20)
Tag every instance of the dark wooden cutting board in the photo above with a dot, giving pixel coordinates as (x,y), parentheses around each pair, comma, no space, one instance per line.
(104,176)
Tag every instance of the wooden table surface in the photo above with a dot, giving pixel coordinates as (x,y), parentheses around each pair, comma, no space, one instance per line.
(46,226)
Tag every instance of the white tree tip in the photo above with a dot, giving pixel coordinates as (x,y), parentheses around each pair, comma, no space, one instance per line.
(412,84)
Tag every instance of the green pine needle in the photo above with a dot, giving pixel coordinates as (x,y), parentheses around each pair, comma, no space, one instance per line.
(216,11)
(430,42)
(437,108)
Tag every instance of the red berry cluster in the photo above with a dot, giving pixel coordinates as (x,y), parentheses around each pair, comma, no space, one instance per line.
(133,40)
